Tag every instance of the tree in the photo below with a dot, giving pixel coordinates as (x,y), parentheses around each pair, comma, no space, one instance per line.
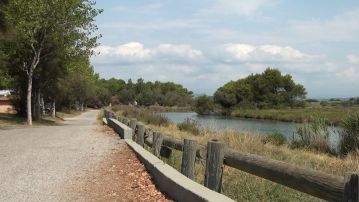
(38,23)
(269,89)
(204,105)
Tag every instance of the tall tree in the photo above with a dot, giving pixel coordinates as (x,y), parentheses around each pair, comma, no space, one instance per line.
(40,22)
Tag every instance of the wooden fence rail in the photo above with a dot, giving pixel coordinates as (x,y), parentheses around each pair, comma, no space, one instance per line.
(322,185)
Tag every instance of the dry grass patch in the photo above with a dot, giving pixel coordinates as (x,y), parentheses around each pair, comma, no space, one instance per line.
(246,187)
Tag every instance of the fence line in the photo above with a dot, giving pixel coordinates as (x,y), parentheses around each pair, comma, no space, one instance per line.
(322,185)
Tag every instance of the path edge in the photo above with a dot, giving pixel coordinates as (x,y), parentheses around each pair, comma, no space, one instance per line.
(173,183)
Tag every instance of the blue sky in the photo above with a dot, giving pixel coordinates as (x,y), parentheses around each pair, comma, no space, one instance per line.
(204,44)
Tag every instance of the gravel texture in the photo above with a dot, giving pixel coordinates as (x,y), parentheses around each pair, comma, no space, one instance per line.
(52,163)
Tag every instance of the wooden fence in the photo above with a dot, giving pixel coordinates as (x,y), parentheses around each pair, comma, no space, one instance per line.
(322,185)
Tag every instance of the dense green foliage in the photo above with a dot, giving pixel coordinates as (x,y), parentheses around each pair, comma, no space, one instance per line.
(349,136)
(267,90)
(47,55)
(204,105)
(117,91)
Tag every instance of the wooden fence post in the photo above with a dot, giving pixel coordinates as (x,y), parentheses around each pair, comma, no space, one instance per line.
(189,158)
(140,134)
(105,113)
(133,124)
(157,143)
(214,165)
(351,187)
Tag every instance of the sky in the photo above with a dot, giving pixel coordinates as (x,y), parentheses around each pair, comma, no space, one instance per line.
(204,44)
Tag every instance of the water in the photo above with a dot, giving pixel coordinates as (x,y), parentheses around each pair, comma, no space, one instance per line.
(257,126)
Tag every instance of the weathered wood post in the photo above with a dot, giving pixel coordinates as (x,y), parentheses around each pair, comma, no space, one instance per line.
(351,187)
(133,124)
(157,143)
(140,134)
(189,158)
(214,165)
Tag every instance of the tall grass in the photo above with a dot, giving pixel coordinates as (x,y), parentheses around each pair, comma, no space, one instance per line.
(275,138)
(142,115)
(334,115)
(242,186)
(349,135)
(314,135)
(190,125)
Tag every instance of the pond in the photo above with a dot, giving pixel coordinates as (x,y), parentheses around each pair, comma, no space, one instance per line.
(256,126)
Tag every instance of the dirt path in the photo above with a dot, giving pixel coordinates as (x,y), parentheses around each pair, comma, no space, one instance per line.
(67,163)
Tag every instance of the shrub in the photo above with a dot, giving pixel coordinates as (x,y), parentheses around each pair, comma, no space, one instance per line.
(154,118)
(349,135)
(143,115)
(275,138)
(190,125)
(313,135)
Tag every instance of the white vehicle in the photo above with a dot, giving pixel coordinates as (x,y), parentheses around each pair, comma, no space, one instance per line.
(5,93)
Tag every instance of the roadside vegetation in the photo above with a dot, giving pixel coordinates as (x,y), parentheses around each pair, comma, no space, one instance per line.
(142,115)
(241,186)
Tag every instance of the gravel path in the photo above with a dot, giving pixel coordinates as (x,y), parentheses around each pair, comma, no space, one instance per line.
(41,163)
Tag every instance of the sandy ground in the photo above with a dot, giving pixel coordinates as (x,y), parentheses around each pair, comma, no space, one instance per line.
(77,161)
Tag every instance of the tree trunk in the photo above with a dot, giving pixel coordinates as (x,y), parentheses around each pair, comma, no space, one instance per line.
(37,104)
(82,106)
(42,106)
(28,98)
(54,109)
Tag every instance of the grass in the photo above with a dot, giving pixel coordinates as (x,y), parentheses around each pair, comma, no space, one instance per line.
(349,136)
(145,116)
(10,121)
(189,125)
(241,186)
(275,138)
(313,135)
(334,115)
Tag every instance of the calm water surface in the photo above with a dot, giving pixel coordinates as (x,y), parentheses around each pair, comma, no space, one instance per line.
(221,123)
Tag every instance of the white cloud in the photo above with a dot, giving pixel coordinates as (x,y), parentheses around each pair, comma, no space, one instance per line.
(343,27)
(350,73)
(132,50)
(353,59)
(246,52)
(136,52)
(237,7)
(185,51)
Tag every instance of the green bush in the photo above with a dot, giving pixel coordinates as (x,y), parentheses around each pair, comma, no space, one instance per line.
(190,125)
(313,135)
(275,138)
(349,135)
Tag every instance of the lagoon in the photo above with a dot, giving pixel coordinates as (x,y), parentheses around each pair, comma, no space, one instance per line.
(255,126)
